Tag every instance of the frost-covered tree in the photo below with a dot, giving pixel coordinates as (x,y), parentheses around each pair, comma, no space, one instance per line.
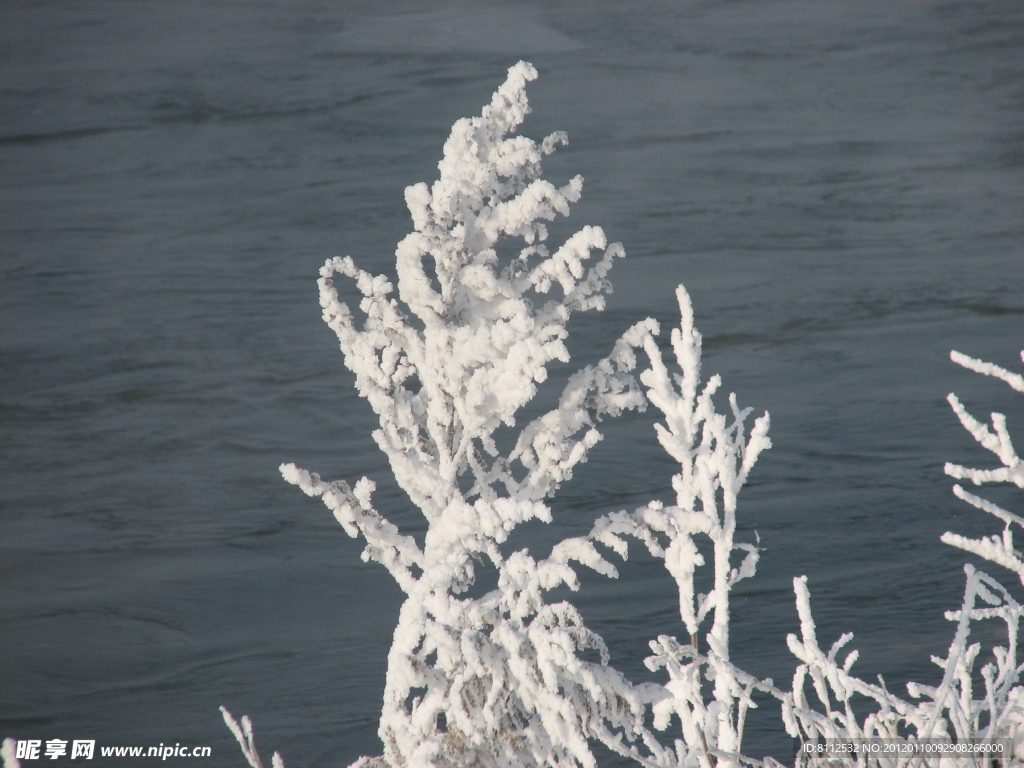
(497,679)
(506,677)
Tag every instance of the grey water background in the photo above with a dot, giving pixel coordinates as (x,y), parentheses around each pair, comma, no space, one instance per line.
(838,184)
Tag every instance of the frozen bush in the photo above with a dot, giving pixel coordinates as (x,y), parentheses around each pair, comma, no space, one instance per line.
(509,678)
(958,708)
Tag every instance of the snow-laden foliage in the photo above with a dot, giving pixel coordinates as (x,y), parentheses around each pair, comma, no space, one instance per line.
(506,678)
(497,679)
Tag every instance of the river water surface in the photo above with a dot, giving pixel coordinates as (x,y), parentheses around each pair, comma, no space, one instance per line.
(840,185)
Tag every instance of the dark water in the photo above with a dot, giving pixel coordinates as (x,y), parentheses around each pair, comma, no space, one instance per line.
(839,184)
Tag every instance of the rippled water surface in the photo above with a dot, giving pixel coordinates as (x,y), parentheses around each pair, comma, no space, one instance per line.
(840,185)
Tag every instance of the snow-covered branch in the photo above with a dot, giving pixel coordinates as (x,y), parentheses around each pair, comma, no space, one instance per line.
(706,692)
(998,549)
(244,736)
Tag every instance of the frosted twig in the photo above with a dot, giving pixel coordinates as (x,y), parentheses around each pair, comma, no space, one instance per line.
(243,734)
